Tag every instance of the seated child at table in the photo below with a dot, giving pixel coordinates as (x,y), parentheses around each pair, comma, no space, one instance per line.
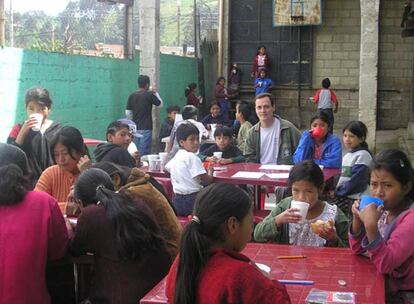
(386,232)
(168,124)
(243,111)
(210,251)
(215,117)
(283,225)
(130,255)
(354,178)
(319,145)
(230,153)
(187,171)
(119,135)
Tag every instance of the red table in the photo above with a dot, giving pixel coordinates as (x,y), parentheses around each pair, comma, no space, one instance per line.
(325,266)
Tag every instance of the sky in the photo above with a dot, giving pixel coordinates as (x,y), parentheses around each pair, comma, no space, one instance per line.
(50,7)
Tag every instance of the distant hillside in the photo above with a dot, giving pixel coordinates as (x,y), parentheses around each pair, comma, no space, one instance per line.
(209,19)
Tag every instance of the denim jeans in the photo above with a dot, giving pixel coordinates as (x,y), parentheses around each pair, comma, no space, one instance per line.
(184,204)
(144,143)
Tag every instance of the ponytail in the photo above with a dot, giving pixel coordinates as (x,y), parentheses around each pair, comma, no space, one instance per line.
(214,205)
(13,185)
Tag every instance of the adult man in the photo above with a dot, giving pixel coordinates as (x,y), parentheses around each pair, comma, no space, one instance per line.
(139,109)
(272,140)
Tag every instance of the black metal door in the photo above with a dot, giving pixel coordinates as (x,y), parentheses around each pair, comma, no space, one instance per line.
(251,26)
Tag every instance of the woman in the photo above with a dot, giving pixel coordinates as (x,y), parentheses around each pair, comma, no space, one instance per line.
(32,231)
(192,99)
(220,94)
(130,255)
(68,148)
(319,145)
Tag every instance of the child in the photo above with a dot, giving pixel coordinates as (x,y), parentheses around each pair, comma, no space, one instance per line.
(220,94)
(192,99)
(187,171)
(283,225)
(234,82)
(319,145)
(210,251)
(326,100)
(119,136)
(262,83)
(130,255)
(231,154)
(215,117)
(168,124)
(261,61)
(36,144)
(354,178)
(243,111)
(386,232)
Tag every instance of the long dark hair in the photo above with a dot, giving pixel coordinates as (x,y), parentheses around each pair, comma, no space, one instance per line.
(214,205)
(308,171)
(397,163)
(136,231)
(39,95)
(13,171)
(72,139)
(192,86)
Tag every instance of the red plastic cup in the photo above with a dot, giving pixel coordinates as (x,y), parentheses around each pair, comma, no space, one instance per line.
(317,133)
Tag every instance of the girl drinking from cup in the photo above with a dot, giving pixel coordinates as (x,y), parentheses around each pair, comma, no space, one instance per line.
(210,267)
(354,178)
(35,134)
(319,145)
(385,231)
(321,225)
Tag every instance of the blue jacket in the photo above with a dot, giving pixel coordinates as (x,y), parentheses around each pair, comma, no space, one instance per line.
(331,151)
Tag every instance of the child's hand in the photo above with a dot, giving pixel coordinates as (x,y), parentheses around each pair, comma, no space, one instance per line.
(328,233)
(225,161)
(370,215)
(27,125)
(84,163)
(288,216)
(210,159)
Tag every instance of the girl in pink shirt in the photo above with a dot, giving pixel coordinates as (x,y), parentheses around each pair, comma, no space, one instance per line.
(385,232)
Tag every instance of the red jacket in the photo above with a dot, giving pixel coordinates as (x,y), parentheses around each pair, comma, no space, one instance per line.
(255,69)
(229,277)
(392,255)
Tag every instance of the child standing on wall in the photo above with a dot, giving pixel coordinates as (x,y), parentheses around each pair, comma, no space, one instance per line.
(261,61)
(263,83)
(326,101)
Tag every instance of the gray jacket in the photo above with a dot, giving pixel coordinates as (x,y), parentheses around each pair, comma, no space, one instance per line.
(288,141)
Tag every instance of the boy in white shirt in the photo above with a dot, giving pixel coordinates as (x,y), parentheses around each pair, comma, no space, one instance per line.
(186,170)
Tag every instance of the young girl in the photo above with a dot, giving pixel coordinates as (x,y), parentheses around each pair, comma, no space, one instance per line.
(189,93)
(130,255)
(319,145)
(283,225)
(386,232)
(354,178)
(32,231)
(36,144)
(261,61)
(220,94)
(68,148)
(215,117)
(210,267)
(262,83)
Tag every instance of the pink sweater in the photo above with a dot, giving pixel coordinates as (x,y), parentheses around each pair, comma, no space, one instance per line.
(392,255)
(31,232)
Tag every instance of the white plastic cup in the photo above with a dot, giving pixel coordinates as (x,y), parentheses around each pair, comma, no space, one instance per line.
(153,162)
(302,206)
(218,155)
(39,119)
(163,159)
(213,129)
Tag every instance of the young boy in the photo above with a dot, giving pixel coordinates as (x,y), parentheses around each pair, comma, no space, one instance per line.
(243,111)
(168,124)
(119,135)
(186,170)
(262,83)
(326,100)
(230,153)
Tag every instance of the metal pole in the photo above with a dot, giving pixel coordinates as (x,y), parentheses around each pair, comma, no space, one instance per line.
(129,43)
(2,22)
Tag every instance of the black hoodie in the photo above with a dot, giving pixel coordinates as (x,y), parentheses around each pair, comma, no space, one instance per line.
(115,154)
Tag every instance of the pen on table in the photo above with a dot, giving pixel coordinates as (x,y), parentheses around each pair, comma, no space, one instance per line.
(287,257)
(297,282)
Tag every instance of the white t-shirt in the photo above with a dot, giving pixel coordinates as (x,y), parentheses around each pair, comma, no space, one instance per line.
(184,168)
(269,143)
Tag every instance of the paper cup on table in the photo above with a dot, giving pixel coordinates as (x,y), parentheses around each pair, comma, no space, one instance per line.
(218,155)
(154,162)
(163,159)
(39,119)
(213,129)
(302,206)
